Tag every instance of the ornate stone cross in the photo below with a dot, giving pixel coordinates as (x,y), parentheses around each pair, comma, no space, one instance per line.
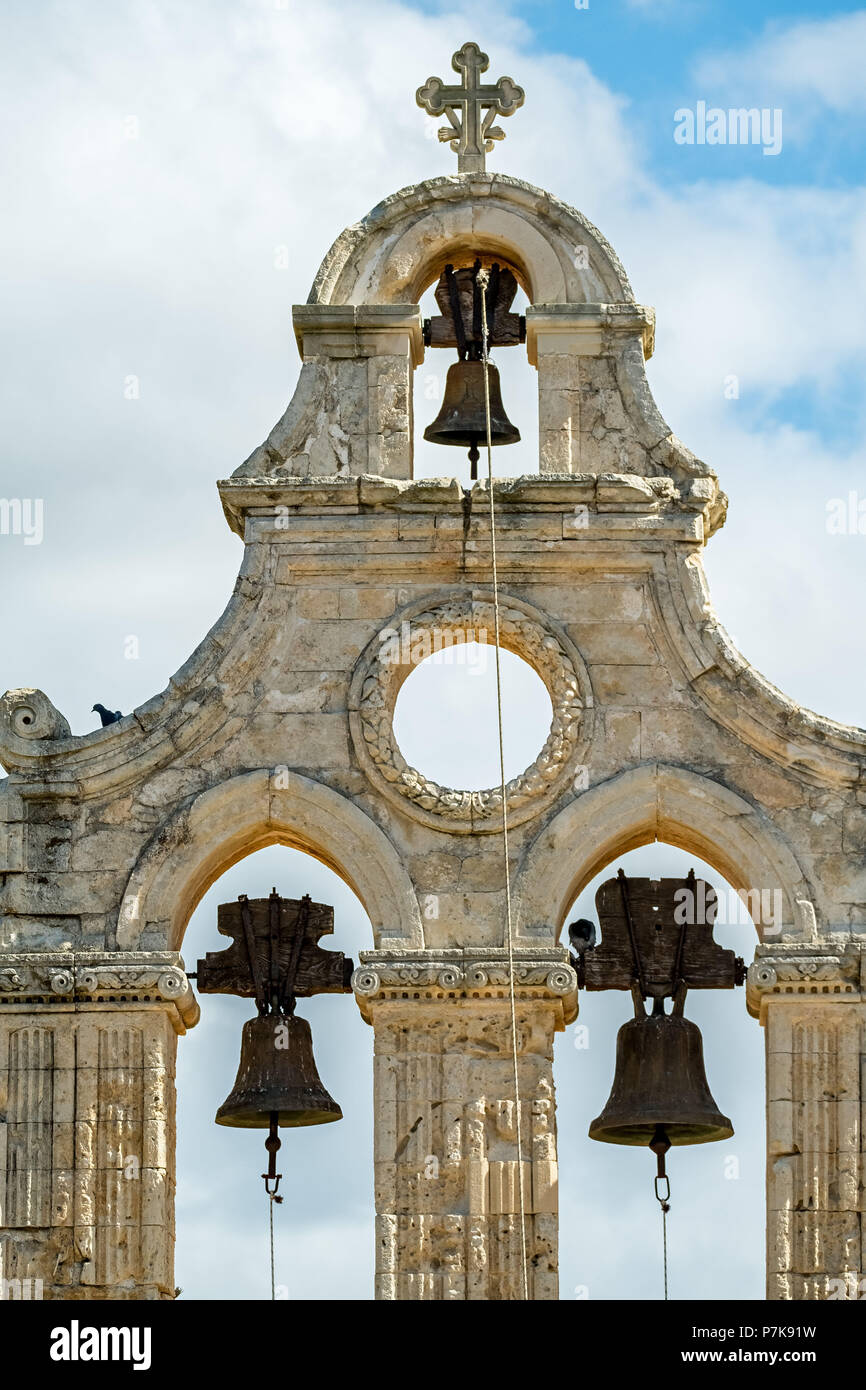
(474,133)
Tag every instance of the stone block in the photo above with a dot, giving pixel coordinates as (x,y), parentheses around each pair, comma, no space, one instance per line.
(545,1186)
(556,452)
(317,604)
(306,692)
(779,1076)
(328,646)
(559,371)
(484,871)
(505,1178)
(435,870)
(617,644)
(110,849)
(635,686)
(780,1127)
(823,1243)
(365,602)
(590,601)
(309,741)
(559,409)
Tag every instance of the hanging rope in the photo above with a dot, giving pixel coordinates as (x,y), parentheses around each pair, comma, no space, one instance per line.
(271,1198)
(483,280)
(663,1199)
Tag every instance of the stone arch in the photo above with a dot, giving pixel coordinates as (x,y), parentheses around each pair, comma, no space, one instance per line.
(401,247)
(212,831)
(364,307)
(657,802)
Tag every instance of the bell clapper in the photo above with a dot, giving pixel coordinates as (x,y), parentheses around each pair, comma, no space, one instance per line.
(272,1144)
(660,1143)
(475,317)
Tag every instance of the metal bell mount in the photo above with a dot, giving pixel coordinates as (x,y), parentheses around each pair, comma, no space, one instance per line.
(462,419)
(275,957)
(652,945)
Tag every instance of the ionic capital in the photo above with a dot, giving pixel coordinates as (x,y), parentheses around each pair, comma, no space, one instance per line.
(114,977)
(822,970)
(474,973)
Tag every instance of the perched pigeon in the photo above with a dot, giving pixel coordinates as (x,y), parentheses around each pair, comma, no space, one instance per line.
(582,935)
(106,715)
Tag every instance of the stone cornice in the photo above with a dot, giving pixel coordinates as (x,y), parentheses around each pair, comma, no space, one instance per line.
(586,328)
(541,974)
(819,970)
(86,977)
(617,505)
(352,329)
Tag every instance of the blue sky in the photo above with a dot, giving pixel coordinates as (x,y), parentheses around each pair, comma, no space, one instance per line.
(148,250)
(654,52)
(658,56)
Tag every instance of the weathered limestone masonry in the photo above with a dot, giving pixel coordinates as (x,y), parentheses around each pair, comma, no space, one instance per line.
(279,730)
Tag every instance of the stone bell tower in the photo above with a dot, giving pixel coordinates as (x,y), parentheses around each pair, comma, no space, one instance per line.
(278,730)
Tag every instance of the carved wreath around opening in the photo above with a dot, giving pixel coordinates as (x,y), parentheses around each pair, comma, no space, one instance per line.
(519,634)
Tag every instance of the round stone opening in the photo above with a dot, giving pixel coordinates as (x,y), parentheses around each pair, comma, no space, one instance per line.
(439,630)
(445,719)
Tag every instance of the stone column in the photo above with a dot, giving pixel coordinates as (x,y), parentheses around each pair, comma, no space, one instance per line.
(361,357)
(810,1000)
(446,1158)
(87,1123)
(561,340)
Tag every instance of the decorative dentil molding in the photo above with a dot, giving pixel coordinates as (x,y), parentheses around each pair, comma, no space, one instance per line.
(824,970)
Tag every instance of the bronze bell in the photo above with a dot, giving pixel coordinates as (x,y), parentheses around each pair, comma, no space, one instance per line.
(277,1076)
(471,298)
(462,420)
(275,957)
(660,1083)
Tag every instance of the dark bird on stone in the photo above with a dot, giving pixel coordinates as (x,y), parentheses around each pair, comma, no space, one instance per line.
(107,716)
(582,935)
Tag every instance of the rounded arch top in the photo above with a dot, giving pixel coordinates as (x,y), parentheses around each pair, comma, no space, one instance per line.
(671,804)
(212,831)
(402,246)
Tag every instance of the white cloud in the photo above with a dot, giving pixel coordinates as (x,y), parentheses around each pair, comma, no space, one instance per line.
(817,58)
(155,256)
